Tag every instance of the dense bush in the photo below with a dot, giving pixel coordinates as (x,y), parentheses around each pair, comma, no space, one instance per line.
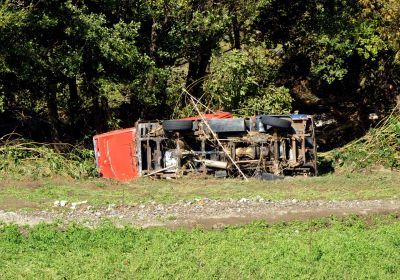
(244,81)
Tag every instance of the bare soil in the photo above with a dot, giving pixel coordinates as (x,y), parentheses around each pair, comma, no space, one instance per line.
(15,203)
(204,213)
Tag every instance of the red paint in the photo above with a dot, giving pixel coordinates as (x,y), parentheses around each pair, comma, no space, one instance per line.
(218,115)
(116,154)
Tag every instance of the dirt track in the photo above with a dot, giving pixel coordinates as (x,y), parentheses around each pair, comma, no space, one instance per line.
(203,213)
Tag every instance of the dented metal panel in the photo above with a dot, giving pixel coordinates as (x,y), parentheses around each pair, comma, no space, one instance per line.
(116,154)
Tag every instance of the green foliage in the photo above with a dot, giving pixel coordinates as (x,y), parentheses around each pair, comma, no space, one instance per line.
(329,33)
(271,100)
(63,42)
(243,80)
(330,51)
(20,158)
(79,67)
(317,249)
(380,146)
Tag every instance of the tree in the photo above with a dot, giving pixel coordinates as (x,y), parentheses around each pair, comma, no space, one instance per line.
(245,81)
(62,45)
(70,68)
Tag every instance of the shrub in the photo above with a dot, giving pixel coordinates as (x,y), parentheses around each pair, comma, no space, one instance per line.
(242,81)
(24,158)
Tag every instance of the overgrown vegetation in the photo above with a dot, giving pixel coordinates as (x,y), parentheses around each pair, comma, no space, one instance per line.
(379,147)
(356,248)
(20,158)
(70,69)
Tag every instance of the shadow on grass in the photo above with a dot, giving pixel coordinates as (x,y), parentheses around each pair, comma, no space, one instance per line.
(325,166)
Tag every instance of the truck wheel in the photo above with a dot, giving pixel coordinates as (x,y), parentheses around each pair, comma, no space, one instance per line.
(177,125)
(275,122)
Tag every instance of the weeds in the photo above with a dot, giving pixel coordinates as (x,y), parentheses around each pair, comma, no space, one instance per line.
(19,157)
(379,147)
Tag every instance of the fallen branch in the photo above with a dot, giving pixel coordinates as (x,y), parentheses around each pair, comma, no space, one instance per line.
(216,138)
(159,171)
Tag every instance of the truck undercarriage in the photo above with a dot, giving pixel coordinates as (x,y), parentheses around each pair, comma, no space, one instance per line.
(264,146)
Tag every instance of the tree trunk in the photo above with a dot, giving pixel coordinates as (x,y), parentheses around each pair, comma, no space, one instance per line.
(73,104)
(236,33)
(197,71)
(99,116)
(52,108)
(153,40)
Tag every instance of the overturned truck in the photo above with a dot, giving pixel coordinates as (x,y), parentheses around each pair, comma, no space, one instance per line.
(264,146)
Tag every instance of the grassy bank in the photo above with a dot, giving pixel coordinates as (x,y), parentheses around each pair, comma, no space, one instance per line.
(24,159)
(379,146)
(351,248)
(39,194)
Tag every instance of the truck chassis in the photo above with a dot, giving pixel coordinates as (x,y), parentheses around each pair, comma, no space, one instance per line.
(265,146)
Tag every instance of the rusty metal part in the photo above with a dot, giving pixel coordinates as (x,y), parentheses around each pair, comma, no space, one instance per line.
(246,152)
(259,149)
(214,163)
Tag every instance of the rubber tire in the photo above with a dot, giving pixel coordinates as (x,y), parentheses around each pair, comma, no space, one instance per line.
(177,125)
(275,122)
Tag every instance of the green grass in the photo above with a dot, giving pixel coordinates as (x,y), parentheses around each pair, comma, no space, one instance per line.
(349,248)
(42,193)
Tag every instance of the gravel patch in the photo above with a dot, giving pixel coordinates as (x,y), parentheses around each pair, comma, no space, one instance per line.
(204,212)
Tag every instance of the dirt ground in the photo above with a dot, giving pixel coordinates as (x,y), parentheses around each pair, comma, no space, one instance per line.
(205,213)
